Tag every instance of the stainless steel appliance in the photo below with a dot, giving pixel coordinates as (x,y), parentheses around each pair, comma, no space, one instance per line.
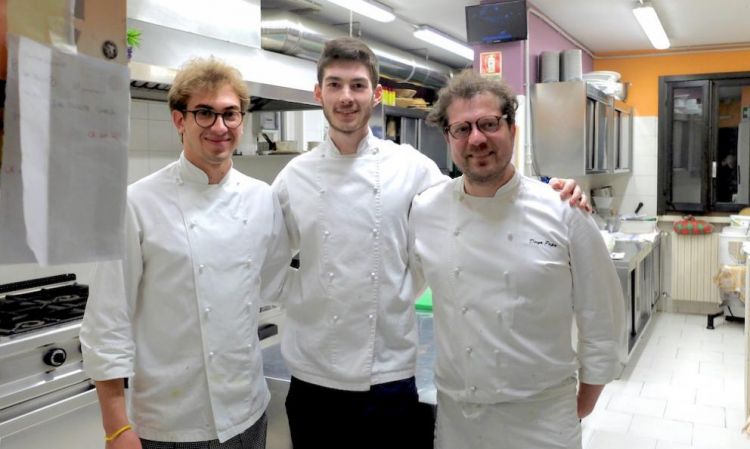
(46,399)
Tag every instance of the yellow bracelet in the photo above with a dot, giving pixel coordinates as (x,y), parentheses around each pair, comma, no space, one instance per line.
(118,432)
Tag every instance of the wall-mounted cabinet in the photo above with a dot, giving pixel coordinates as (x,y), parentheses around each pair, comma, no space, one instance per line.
(409,126)
(577,130)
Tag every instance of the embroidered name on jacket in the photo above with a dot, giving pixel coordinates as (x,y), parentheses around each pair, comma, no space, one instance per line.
(542,243)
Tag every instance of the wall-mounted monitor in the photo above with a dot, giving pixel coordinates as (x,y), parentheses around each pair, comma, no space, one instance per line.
(500,21)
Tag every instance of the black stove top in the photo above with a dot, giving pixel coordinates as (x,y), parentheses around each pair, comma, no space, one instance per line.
(34,310)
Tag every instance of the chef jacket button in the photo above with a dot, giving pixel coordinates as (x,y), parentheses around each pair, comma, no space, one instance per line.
(192,224)
(457,271)
(322,191)
(201,267)
(510,237)
(249,261)
(330,275)
(468,349)
(210,354)
(374,231)
(375,150)
(335,318)
(249,346)
(496,351)
(473,388)
(249,303)
(373,276)
(498,311)
(375,189)
(326,233)
(456,232)
(207,310)
(464,309)
(370,316)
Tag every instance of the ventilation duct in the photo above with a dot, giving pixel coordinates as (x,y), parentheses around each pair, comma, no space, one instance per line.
(287,33)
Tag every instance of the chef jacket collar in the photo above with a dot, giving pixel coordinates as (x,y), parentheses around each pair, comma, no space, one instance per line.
(508,190)
(191,173)
(366,146)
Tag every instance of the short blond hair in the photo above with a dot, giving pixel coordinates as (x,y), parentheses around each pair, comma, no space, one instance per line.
(206,75)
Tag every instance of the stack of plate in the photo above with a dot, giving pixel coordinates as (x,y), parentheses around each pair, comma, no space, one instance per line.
(607,82)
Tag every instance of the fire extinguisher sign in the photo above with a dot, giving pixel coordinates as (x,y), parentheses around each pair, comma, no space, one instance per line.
(491,64)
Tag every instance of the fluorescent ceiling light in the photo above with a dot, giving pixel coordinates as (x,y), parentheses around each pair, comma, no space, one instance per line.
(439,39)
(649,21)
(371,9)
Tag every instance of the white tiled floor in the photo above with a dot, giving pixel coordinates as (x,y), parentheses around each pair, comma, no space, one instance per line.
(683,388)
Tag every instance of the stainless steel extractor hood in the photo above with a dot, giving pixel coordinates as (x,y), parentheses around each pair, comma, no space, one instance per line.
(281,75)
(285,32)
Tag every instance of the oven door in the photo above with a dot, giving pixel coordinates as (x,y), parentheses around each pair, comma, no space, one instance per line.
(68,418)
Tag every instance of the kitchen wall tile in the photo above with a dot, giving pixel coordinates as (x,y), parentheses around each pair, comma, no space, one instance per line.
(698,380)
(160,136)
(138,165)
(638,405)
(159,110)
(603,439)
(629,203)
(662,429)
(158,161)
(608,420)
(672,445)
(645,146)
(672,394)
(710,437)
(139,109)
(646,125)
(138,135)
(701,356)
(720,397)
(696,414)
(646,165)
(735,418)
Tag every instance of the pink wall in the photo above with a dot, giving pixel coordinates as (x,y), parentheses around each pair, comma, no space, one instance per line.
(542,37)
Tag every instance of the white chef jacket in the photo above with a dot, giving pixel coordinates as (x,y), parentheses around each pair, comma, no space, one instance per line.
(180,314)
(508,275)
(350,319)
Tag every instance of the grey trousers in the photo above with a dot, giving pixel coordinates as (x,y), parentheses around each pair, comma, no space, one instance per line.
(253,438)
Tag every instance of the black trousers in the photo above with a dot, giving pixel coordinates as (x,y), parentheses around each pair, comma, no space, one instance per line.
(252,438)
(388,416)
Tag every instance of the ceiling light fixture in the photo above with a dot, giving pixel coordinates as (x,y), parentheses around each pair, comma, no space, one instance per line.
(649,21)
(439,39)
(372,9)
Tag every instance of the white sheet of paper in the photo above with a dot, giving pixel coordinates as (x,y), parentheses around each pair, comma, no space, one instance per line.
(13,246)
(74,119)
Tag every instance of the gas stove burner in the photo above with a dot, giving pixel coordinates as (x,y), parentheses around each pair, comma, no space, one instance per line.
(41,308)
(28,325)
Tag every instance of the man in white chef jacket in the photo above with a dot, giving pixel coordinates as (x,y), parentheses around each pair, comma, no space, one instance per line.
(510,268)
(350,337)
(206,245)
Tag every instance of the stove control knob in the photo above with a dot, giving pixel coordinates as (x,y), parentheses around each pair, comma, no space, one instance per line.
(55,357)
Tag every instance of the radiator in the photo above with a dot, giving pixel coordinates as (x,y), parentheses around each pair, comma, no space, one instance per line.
(695,261)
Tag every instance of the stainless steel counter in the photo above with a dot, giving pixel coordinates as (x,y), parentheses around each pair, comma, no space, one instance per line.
(278,378)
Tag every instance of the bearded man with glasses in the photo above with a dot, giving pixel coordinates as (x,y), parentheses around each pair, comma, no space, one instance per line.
(510,268)
(206,246)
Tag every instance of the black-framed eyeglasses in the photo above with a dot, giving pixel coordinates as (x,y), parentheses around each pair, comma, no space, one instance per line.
(486,124)
(205,118)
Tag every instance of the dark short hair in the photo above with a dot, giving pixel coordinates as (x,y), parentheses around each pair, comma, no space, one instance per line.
(205,75)
(348,49)
(467,85)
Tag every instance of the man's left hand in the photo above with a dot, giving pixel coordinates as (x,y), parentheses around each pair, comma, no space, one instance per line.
(571,191)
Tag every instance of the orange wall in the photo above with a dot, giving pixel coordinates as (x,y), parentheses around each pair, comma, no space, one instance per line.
(643,72)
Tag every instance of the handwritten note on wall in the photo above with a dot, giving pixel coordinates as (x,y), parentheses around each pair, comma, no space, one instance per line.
(64,171)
